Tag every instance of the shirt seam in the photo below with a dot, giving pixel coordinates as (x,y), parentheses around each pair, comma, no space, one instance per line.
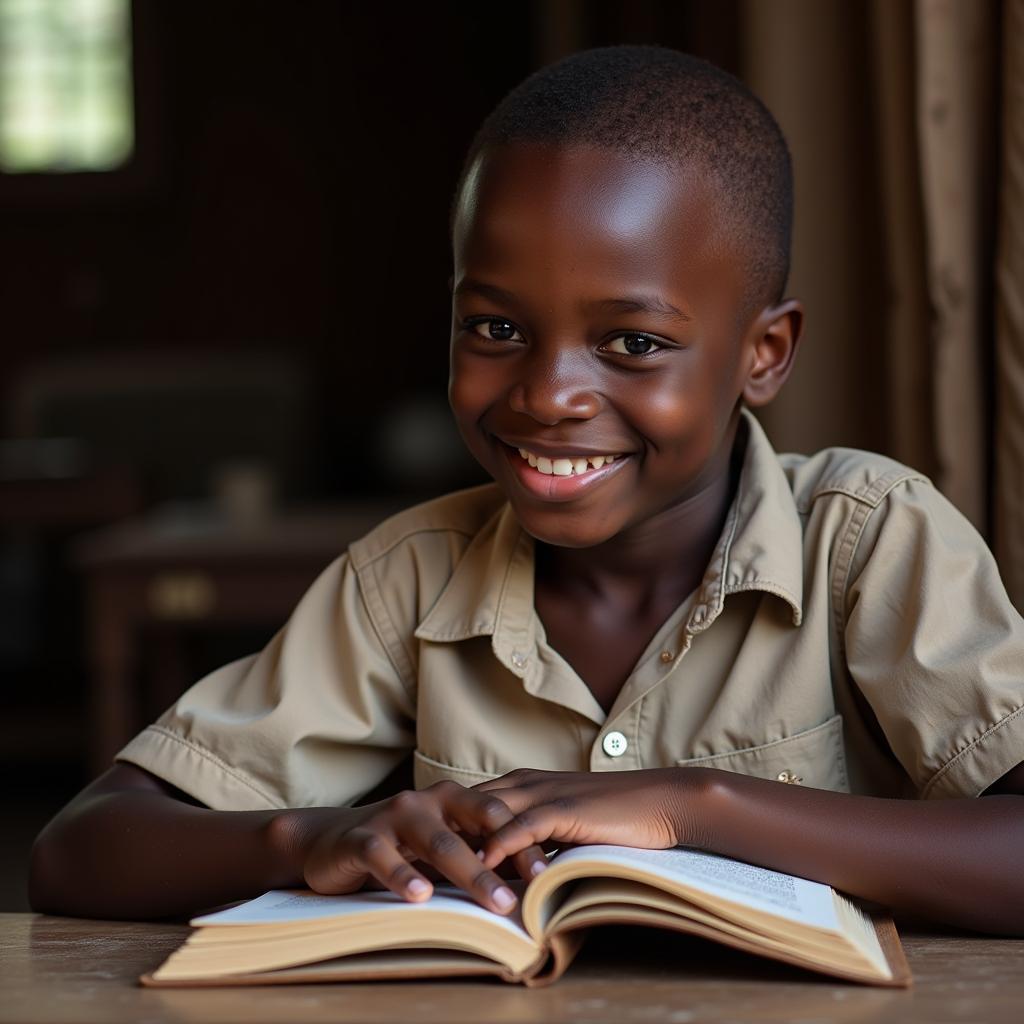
(704,596)
(845,551)
(217,762)
(445,766)
(960,754)
(865,495)
(868,502)
(639,730)
(363,560)
(574,722)
(829,723)
(398,656)
(503,591)
(636,732)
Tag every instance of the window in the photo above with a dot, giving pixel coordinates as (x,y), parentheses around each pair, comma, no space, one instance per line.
(65,85)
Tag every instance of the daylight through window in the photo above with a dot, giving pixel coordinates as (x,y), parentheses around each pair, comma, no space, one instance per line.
(65,85)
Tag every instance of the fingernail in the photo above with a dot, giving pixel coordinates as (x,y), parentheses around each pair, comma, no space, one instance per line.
(481,853)
(537,867)
(417,887)
(503,898)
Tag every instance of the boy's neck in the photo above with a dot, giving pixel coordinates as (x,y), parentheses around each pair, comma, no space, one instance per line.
(662,559)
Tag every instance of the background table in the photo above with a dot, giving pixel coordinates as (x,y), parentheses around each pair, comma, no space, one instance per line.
(187,571)
(63,970)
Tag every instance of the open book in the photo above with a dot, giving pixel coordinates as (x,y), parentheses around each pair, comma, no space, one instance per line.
(299,936)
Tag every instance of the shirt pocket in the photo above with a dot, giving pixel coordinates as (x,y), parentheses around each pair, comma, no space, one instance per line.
(427,771)
(813,758)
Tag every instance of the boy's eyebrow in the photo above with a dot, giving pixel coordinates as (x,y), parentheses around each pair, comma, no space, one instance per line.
(642,304)
(625,304)
(487,291)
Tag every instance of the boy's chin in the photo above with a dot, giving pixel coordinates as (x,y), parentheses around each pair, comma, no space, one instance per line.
(562,529)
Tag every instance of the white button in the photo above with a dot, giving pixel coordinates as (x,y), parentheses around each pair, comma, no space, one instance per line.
(614,744)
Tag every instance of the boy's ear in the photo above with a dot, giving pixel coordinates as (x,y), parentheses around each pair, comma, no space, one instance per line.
(776,335)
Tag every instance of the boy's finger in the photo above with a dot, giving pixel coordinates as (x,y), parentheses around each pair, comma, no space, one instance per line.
(476,812)
(492,784)
(525,832)
(377,855)
(434,842)
(514,798)
(530,862)
(496,808)
(502,787)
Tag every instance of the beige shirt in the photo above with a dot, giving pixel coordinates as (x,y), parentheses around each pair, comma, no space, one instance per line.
(851,633)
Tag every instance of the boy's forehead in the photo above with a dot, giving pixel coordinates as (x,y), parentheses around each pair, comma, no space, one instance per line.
(572,201)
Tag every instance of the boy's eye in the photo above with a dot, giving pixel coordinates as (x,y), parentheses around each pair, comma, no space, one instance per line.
(496,329)
(632,345)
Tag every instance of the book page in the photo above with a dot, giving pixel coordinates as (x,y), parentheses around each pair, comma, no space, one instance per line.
(772,892)
(289,906)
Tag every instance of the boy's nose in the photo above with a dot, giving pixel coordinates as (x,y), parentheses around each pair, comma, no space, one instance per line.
(552,390)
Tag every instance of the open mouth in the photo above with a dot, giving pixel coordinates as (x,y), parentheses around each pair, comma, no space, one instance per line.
(561,477)
(569,465)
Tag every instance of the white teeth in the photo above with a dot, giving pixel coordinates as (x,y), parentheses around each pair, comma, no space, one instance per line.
(566,466)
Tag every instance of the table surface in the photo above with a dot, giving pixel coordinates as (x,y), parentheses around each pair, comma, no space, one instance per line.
(64,970)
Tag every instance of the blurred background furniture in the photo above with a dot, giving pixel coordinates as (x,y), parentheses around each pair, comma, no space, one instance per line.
(50,489)
(174,417)
(153,584)
(91,441)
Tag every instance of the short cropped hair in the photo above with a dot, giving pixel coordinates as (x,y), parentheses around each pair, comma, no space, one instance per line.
(653,102)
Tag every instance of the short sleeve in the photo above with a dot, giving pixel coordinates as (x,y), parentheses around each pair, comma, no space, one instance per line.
(934,644)
(318,718)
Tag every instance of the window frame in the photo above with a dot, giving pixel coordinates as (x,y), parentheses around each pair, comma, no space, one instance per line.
(138,175)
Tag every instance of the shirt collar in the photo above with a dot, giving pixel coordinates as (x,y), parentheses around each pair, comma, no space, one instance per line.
(490,593)
(761,548)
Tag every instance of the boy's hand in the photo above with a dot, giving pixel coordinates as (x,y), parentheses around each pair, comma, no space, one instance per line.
(383,840)
(646,808)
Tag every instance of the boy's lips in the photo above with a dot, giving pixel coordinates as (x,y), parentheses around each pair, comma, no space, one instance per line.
(552,486)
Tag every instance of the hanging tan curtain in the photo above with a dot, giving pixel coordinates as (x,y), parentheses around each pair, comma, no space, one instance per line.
(1008,496)
(956,62)
(805,59)
(890,109)
(907,318)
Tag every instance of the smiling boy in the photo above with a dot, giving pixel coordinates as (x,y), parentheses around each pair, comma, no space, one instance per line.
(652,629)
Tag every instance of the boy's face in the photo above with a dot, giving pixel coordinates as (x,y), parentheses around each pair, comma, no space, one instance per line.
(597,311)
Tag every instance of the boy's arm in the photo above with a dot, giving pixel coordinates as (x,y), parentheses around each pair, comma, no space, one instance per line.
(131,846)
(957,860)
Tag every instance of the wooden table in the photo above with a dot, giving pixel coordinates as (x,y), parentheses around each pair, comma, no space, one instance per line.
(58,970)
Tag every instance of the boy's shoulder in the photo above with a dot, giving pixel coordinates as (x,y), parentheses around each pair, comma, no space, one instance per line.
(866,477)
(449,522)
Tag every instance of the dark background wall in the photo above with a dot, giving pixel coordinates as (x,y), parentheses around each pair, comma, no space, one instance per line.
(290,192)
(288,198)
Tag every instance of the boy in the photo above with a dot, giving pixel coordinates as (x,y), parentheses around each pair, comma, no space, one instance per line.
(697,641)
